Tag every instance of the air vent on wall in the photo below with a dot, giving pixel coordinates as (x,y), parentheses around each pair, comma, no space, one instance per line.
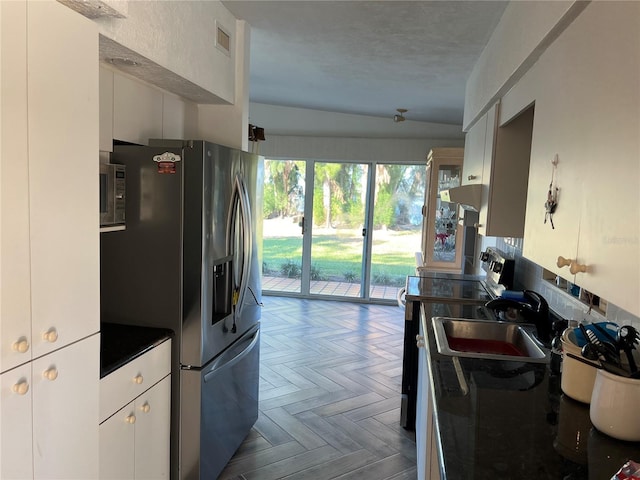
(223,39)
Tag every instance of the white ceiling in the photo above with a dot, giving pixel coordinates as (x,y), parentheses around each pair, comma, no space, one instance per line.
(367,57)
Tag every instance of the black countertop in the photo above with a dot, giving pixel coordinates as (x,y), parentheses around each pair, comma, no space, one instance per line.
(119,344)
(513,421)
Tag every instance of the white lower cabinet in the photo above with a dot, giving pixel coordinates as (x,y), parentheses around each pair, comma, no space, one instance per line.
(135,439)
(426,441)
(153,412)
(49,409)
(15,411)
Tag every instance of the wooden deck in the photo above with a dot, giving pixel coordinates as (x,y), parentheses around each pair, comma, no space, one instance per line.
(327,288)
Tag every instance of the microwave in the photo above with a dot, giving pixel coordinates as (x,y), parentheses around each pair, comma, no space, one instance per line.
(112,194)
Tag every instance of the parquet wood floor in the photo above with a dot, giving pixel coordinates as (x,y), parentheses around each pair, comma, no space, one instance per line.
(330,377)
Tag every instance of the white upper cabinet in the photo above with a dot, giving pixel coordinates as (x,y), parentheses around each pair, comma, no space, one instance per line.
(497,158)
(133,111)
(137,111)
(474,145)
(63,176)
(106,110)
(15,263)
(505,174)
(587,112)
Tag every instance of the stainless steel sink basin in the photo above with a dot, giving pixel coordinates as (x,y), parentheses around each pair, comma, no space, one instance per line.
(486,339)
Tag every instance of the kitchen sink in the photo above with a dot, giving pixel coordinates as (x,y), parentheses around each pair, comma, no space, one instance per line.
(487,339)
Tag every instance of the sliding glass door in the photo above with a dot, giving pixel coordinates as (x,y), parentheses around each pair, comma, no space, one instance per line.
(338,231)
(283,221)
(396,227)
(354,234)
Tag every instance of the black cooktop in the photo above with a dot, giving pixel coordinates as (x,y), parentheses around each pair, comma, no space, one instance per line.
(435,289)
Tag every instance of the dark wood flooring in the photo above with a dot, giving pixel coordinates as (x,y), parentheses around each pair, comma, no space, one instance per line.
(330,376)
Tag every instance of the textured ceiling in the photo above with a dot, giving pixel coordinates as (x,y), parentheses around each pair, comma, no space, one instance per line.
(367,57)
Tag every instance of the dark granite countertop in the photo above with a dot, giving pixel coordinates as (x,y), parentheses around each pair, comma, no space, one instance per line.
(513,421)
(119,344)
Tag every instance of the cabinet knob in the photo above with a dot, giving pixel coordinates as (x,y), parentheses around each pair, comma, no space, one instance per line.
(21,345)
(563,262)
(419,341)
(50,335)
(575,267)
(130,419)
(138,379)
(146,408)
(21,388)
(50,374)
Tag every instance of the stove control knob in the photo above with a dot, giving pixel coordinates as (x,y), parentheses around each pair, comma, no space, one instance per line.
(484,256)
(496,267)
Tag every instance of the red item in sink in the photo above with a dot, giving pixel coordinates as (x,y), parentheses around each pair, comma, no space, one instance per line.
(492,347)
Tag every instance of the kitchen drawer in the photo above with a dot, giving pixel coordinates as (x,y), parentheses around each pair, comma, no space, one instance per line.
(134,378)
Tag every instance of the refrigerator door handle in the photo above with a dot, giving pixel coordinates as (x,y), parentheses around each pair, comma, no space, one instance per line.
(225,362)
(241,196)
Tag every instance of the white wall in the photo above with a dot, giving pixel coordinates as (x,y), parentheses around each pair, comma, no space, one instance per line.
(525,30)
(181,37)
(387,150)
(313,134)
(280,120)
(229,124)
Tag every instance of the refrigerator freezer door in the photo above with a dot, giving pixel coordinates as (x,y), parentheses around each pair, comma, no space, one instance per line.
(219,407)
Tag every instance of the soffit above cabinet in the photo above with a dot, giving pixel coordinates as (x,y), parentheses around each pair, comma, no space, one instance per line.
(97,8)
(140,67)
(124,59)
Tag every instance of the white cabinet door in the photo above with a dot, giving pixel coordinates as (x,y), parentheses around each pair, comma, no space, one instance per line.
(153,414)
(16,424)
(474,146)
(106,110)
(63,171)
(609,239)
(426,441)
(117,445)
(137,111)
(65,412)
(15,270)
(596,139)
(505,174)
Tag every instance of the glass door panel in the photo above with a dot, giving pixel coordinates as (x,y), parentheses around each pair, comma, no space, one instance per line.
(339,212)
(445,249)
(442,235)
(397,227)
(283,206)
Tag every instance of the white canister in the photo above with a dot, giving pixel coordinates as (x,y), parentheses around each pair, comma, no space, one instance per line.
(614,406)
(577,377)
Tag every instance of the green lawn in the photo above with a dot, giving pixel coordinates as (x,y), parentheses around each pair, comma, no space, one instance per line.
(339,257)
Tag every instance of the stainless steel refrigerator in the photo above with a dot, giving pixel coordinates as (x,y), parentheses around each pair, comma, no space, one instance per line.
(190,260)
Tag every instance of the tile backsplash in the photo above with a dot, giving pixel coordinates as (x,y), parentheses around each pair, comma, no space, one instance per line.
(528,275)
